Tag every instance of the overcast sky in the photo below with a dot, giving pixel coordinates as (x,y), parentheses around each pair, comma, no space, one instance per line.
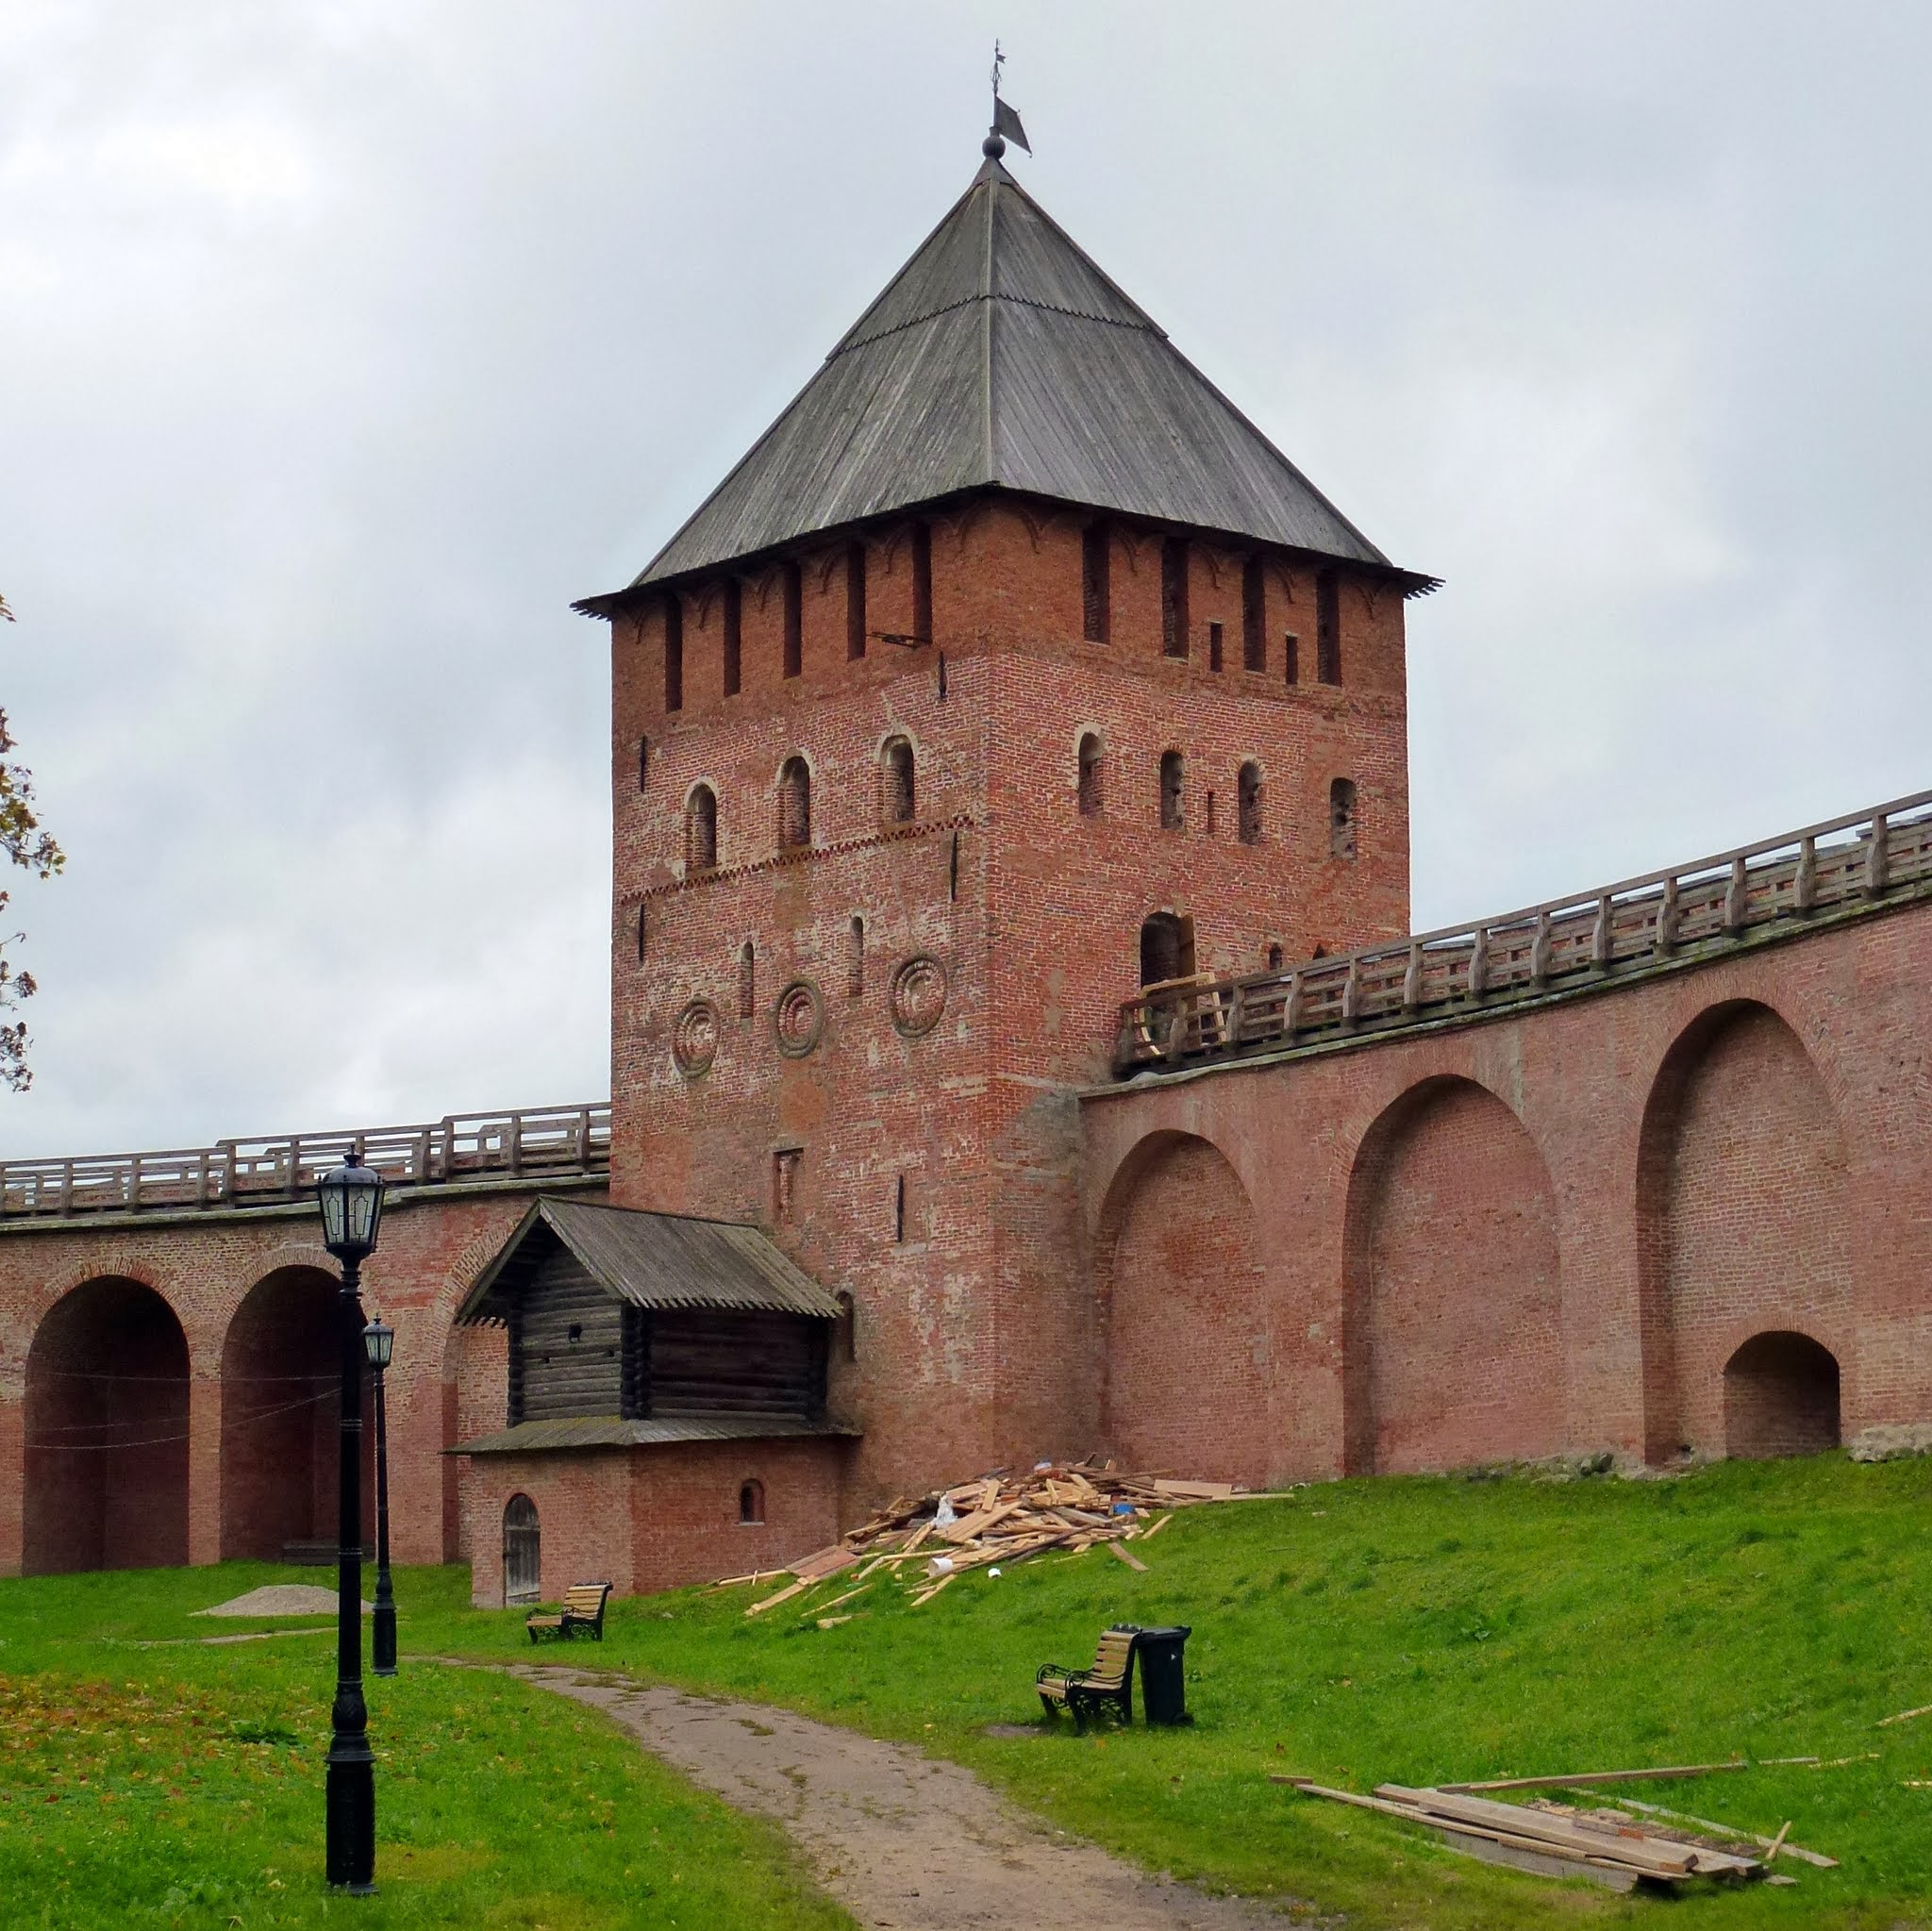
(343,342)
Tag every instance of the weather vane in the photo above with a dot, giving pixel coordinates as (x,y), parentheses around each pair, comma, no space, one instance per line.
(1006,122)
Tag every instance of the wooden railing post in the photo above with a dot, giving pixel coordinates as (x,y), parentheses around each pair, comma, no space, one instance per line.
(1735,896)
(1352,992)
(1539,951)
(1291,1007)
(1805,883)
(1602,933)
(1877,871)
(1479,962)
(1667,918)
(134,1184)
(516,1144)
(1412,980)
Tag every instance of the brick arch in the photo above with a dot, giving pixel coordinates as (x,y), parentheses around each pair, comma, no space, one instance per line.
(105,1465)
(1186,1337)
(1452,1312)
(1741,1215)
(281,1379)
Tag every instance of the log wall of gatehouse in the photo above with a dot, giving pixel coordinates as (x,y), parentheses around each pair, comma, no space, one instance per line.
(168,1338)
(1649,1170)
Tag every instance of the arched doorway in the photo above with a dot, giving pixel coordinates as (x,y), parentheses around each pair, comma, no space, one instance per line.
(1167,948)
(1781,1398)
(107,1433)
(522,1552)
(281,1376)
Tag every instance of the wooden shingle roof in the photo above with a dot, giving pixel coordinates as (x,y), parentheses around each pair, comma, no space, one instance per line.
(658,1260)
(1002,357)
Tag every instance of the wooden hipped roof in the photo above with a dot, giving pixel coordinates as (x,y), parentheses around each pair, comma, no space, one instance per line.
(1001,356)
(657,1260)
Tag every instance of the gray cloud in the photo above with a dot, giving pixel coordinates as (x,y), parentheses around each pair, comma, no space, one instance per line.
(345,343)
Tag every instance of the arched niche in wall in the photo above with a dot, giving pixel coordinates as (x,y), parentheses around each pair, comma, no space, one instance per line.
(1452,1333)
(105,1473)
(1741,1217)
(1189,1366)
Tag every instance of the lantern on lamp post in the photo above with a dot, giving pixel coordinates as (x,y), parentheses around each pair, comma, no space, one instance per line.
(351,1200)
(378,1343)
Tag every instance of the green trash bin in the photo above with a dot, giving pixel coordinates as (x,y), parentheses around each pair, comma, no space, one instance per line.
(1163,1677)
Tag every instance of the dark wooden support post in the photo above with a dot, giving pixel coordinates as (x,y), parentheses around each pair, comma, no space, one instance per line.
(1602,933)
(1352,992)
(1539,951)
(1805,882)
(1412,980)
(1291,1007)
(1479,962)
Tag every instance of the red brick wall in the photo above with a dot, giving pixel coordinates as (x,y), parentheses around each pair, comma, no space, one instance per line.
(186,1500)
(1738,1146)
(660,1517)
(1451,1288)
(1185,1313)
(1744,1202)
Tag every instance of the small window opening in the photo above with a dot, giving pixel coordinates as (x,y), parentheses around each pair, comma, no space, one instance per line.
(1091,770)
(943,677)
(922,582)
(1254,616)
(673,653)
(1328,627)
(1173,774)
(1209,813)
(784,1166)
(1167,948)
(855,959)
(1250,800)
(794,805)
(577,1330)
(899,1209)
(792,581)
(854,600)
(1174,598)
(1341,818)
(953,871)
(701,830)
(734,635)
(643,762)
(899,798)
(1290,658)
(748,980)
(1275,958)
(644,930)
(751,1503)
(1214,646)
(1096,596)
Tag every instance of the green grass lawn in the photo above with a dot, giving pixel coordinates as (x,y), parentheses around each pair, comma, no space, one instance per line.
(1418,1631)
(182,1784)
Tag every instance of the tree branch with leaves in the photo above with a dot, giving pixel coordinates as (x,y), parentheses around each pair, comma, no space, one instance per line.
(26,844)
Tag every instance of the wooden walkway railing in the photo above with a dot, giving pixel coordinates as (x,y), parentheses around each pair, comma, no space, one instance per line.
(542,1142)
(1566,944)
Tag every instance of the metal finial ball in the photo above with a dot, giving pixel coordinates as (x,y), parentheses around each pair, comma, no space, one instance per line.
(992,147)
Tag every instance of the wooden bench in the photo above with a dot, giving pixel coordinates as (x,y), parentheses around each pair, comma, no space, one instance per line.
(583,1608)
(1086,1692)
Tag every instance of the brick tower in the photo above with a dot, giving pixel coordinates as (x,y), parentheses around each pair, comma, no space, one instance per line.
(1011,667)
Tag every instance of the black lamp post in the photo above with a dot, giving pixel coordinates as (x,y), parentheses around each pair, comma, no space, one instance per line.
(351,1197)
(378,1343)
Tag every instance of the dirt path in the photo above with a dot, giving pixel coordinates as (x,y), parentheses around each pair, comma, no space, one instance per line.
(899,1839)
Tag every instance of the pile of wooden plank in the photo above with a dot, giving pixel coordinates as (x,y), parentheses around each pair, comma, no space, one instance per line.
(926,1544)
(1607,1846)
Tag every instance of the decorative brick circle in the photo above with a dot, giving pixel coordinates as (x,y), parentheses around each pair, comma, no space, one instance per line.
(919,995)
(798,1019)
(695,1039)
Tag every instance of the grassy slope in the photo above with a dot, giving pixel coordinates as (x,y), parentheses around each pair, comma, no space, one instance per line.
(1418,1631)
(128,1798)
